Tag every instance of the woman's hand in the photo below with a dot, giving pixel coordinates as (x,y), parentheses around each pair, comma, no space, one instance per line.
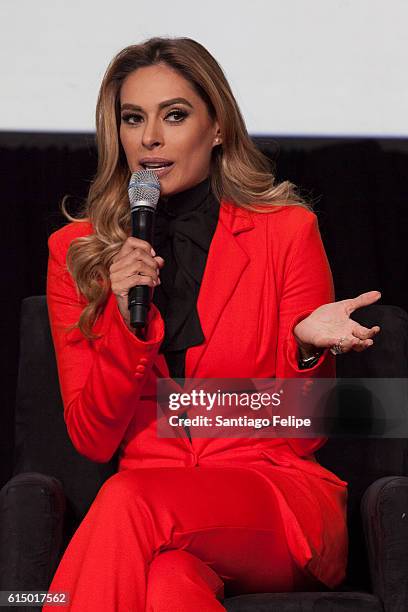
(135,264)
(330,323)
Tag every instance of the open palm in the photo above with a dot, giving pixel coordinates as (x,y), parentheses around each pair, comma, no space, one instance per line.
(330,323)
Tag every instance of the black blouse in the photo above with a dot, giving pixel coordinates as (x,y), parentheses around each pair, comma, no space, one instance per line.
(184,227)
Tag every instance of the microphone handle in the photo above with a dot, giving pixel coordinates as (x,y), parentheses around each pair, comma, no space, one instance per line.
(139,296)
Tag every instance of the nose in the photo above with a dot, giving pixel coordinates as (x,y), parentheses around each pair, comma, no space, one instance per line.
(152,134)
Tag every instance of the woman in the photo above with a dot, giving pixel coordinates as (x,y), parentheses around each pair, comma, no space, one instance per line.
(245,291)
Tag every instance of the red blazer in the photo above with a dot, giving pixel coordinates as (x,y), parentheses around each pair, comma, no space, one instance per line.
(264,273)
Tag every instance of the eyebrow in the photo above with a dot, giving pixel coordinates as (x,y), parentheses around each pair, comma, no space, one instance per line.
(161,105)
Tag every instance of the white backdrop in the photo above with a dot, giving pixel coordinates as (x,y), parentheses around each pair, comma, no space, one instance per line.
(297,67)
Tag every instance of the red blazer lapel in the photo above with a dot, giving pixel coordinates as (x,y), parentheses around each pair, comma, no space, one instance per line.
(217,285)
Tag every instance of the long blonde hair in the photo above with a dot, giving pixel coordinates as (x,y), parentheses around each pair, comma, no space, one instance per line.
(239,172)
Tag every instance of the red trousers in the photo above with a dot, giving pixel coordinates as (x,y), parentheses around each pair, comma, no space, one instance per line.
(177,539)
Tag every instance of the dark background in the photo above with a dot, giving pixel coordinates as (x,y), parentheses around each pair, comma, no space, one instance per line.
(358,186)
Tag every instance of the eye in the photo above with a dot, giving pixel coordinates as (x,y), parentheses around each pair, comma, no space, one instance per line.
(177,112)
(126,118)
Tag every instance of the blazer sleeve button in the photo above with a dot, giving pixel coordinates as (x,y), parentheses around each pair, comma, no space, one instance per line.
(140,368)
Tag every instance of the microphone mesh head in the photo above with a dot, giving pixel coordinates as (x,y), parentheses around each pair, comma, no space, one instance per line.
(144,186)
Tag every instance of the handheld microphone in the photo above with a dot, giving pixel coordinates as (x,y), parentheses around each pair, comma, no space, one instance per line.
(144,193)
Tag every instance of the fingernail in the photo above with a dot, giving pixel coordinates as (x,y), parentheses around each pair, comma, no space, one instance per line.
(153,252)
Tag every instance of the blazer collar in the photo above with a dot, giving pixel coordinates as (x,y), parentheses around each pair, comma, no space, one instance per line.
(234,218)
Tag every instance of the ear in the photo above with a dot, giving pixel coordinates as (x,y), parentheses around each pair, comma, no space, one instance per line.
(217,135)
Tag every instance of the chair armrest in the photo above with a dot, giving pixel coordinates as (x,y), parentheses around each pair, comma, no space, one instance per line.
(384,510)
(32,508)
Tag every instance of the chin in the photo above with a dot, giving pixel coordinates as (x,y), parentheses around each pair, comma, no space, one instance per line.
(169,188)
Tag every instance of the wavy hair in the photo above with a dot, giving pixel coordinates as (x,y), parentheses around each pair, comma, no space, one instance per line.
(239,172)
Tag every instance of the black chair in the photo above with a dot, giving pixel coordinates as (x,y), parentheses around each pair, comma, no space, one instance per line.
(53,486)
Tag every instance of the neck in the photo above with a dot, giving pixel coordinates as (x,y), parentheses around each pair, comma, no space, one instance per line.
(183,201)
